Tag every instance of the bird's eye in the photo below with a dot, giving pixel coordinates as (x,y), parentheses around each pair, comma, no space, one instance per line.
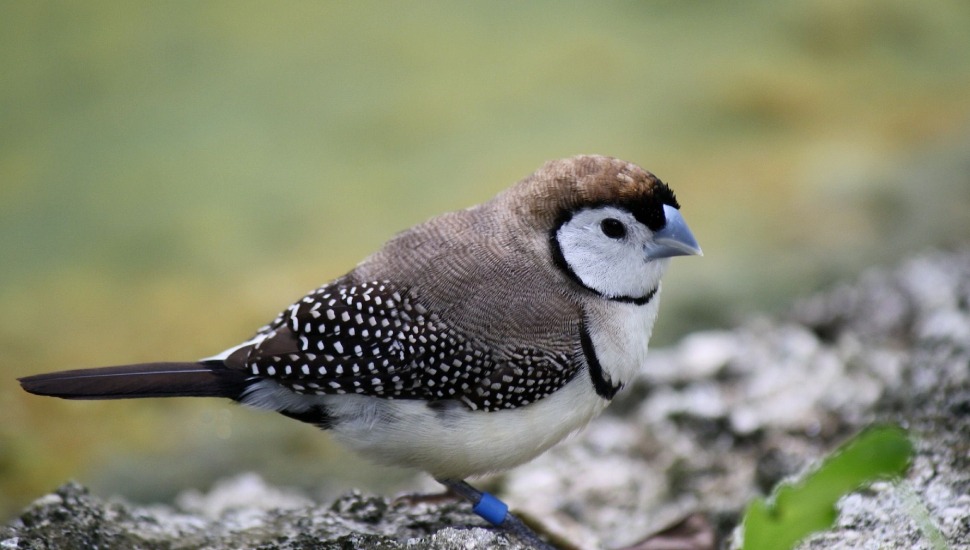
(613,228)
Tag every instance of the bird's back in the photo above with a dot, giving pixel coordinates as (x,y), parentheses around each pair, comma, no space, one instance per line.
(478,272)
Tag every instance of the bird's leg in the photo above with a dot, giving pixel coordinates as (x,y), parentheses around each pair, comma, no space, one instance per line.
(495,512)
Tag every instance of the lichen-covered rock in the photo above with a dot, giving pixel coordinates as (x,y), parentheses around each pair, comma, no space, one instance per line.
(711,423)
(72,518)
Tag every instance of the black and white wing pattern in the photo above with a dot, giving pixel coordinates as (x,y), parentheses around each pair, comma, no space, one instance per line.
(375,339)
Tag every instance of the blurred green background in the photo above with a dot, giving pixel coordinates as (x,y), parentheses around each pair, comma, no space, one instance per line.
(174,174)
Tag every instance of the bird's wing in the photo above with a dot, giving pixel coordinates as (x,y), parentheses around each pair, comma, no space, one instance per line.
(374,338)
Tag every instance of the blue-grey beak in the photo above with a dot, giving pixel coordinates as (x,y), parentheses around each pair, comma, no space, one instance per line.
(675,239)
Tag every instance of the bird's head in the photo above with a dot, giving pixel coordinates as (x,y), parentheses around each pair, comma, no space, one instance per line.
(611,225)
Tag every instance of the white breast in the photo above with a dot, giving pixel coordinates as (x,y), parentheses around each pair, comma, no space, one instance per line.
(621,335)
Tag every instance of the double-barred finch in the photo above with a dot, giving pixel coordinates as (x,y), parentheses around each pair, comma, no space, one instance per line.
(468,344)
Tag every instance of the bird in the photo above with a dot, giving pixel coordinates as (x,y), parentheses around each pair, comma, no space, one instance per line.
(467,344)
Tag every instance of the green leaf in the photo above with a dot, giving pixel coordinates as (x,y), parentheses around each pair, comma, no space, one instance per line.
(794,511)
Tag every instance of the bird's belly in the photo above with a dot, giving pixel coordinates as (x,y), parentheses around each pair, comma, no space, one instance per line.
(455,442)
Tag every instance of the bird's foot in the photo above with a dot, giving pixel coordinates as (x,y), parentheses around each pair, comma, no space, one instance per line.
(497,513)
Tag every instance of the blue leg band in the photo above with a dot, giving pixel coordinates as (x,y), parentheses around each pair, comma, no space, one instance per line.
(492,509)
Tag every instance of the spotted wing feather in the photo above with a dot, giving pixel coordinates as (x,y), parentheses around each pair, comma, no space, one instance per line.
(375,339)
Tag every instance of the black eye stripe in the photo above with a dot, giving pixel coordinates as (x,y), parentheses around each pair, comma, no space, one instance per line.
(613,228)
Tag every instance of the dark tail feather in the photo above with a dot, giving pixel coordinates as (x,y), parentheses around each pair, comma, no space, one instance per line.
(144,380)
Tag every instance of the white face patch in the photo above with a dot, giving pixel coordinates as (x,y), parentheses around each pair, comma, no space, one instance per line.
(605,248)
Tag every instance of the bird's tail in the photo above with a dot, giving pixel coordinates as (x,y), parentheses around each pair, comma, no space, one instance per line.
(143,380)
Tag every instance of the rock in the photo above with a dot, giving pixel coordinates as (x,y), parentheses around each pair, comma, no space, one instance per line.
(72,518)
(711,423)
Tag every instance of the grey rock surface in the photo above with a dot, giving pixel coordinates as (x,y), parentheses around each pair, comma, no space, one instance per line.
(712,422)
(243,512)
